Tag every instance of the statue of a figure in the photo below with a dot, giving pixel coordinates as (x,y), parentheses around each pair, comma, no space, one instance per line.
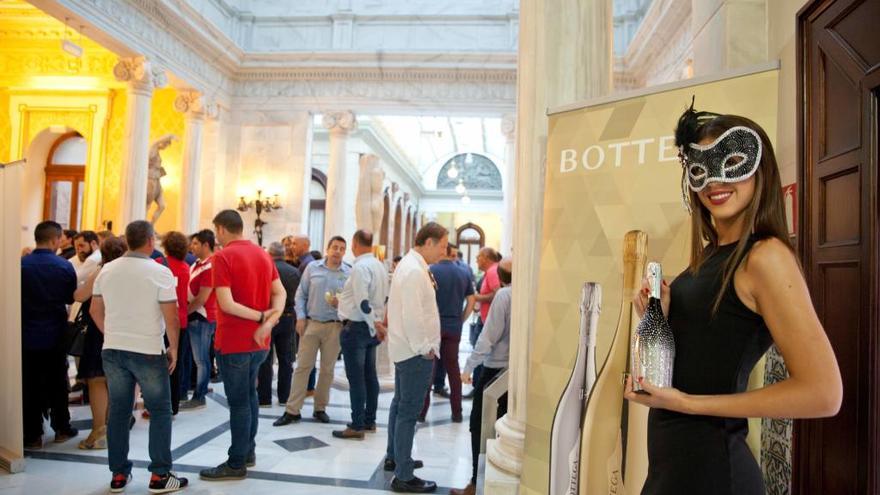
(369,208)
(154,173)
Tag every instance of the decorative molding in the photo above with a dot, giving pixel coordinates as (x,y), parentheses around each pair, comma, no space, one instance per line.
(508,127)
(140,74)
(196,106)
(339,122)
(150,28)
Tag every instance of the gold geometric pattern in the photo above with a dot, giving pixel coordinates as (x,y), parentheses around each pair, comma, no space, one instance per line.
(5,127)
(602,182)
(110,205)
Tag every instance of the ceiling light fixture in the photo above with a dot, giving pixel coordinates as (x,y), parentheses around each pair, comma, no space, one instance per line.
(466,199)
(460,189)
(452,173)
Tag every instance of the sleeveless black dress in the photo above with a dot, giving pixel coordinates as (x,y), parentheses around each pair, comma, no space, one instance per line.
(702,455)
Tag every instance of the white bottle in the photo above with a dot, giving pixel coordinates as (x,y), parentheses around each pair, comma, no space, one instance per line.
(565,439)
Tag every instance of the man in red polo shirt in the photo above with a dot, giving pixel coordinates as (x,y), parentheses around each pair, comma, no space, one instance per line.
(251,298)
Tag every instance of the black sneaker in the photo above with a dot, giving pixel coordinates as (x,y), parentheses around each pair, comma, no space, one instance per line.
(390,465)
(415,485)
(223,472)
(117,484)
(251,460)
(321,416)
(287,418)
(168,483)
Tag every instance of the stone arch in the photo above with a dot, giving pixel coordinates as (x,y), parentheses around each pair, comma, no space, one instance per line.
(386,213)
(407,244)
(398,224)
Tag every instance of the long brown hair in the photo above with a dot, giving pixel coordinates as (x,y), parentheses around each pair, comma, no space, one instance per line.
(764,216)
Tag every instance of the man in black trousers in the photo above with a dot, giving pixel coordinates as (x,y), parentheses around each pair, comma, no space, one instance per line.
(282,334)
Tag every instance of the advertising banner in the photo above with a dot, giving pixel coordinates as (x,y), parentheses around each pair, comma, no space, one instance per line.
(612,168)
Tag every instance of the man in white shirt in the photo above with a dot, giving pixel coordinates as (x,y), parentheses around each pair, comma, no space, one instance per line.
(134,303)
(413,342)
(88,255)
(361,306)
(85,262)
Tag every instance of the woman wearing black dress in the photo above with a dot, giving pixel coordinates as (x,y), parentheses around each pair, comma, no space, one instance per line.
(742,292)
(91,367)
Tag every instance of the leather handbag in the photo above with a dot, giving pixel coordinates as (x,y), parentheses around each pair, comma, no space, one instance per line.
(75,335)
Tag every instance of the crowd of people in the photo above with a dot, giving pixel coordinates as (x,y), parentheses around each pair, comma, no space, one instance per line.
(151,324)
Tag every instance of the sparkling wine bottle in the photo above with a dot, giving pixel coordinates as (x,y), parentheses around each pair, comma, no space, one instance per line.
(653,347)
(565,440)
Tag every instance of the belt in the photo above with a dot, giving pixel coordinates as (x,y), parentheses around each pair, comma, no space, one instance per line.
(290,313)
(328,321)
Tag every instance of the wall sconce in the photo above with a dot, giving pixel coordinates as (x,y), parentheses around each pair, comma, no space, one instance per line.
(261,205)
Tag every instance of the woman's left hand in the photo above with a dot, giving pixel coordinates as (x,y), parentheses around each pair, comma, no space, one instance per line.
(656,397)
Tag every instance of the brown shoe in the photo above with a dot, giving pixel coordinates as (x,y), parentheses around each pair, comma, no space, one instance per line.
(349,434)
(468,490)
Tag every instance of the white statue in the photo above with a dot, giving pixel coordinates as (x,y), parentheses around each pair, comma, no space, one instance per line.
(154,173)
(369,207)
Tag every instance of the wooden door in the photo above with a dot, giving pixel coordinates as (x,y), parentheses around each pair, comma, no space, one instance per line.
(839,76)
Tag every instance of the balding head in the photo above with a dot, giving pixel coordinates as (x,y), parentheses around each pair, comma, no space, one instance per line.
(301,244)
(486,258)
(505,271)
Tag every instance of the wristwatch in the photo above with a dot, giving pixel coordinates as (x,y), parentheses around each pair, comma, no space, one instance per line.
(262,317)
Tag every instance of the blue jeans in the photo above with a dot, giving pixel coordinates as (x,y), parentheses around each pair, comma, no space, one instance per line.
(359,354)
(412,378)
(184,362)
(123,369)
(239,373)
(201,336)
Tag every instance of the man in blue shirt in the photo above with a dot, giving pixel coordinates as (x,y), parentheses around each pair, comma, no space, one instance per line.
(454,287)
(48,282)
(362,308)
(319,326)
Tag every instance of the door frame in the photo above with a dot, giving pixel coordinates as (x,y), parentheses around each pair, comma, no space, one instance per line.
(807,461)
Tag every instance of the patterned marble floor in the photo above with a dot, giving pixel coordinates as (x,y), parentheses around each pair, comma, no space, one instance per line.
(301,458)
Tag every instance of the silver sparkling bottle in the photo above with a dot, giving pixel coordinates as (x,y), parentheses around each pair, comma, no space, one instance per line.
(653,346)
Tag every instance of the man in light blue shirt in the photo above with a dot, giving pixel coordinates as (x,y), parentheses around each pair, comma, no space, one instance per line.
(362,308)
(318,325)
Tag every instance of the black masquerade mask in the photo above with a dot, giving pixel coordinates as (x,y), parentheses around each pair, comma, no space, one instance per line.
(732,157)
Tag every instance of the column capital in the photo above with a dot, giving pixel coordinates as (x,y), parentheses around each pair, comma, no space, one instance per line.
(339,122)
(140,74)
(194,105)
(508,127)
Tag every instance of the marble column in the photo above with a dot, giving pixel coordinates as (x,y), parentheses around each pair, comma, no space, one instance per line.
(12,434)
(340,124)
(194,108)
(508,128)
(142,77)
(564,56)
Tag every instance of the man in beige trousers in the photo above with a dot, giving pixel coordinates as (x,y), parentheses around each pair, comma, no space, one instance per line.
(318,325)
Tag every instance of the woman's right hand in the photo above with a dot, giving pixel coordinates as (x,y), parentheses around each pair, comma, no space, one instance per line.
(640,301)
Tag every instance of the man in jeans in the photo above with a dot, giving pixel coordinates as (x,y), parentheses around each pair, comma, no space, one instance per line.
(318,325)
(134,303)
(362,308)
(250,297)
(47,285)
(282,334)
(202,310)
(413,343)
